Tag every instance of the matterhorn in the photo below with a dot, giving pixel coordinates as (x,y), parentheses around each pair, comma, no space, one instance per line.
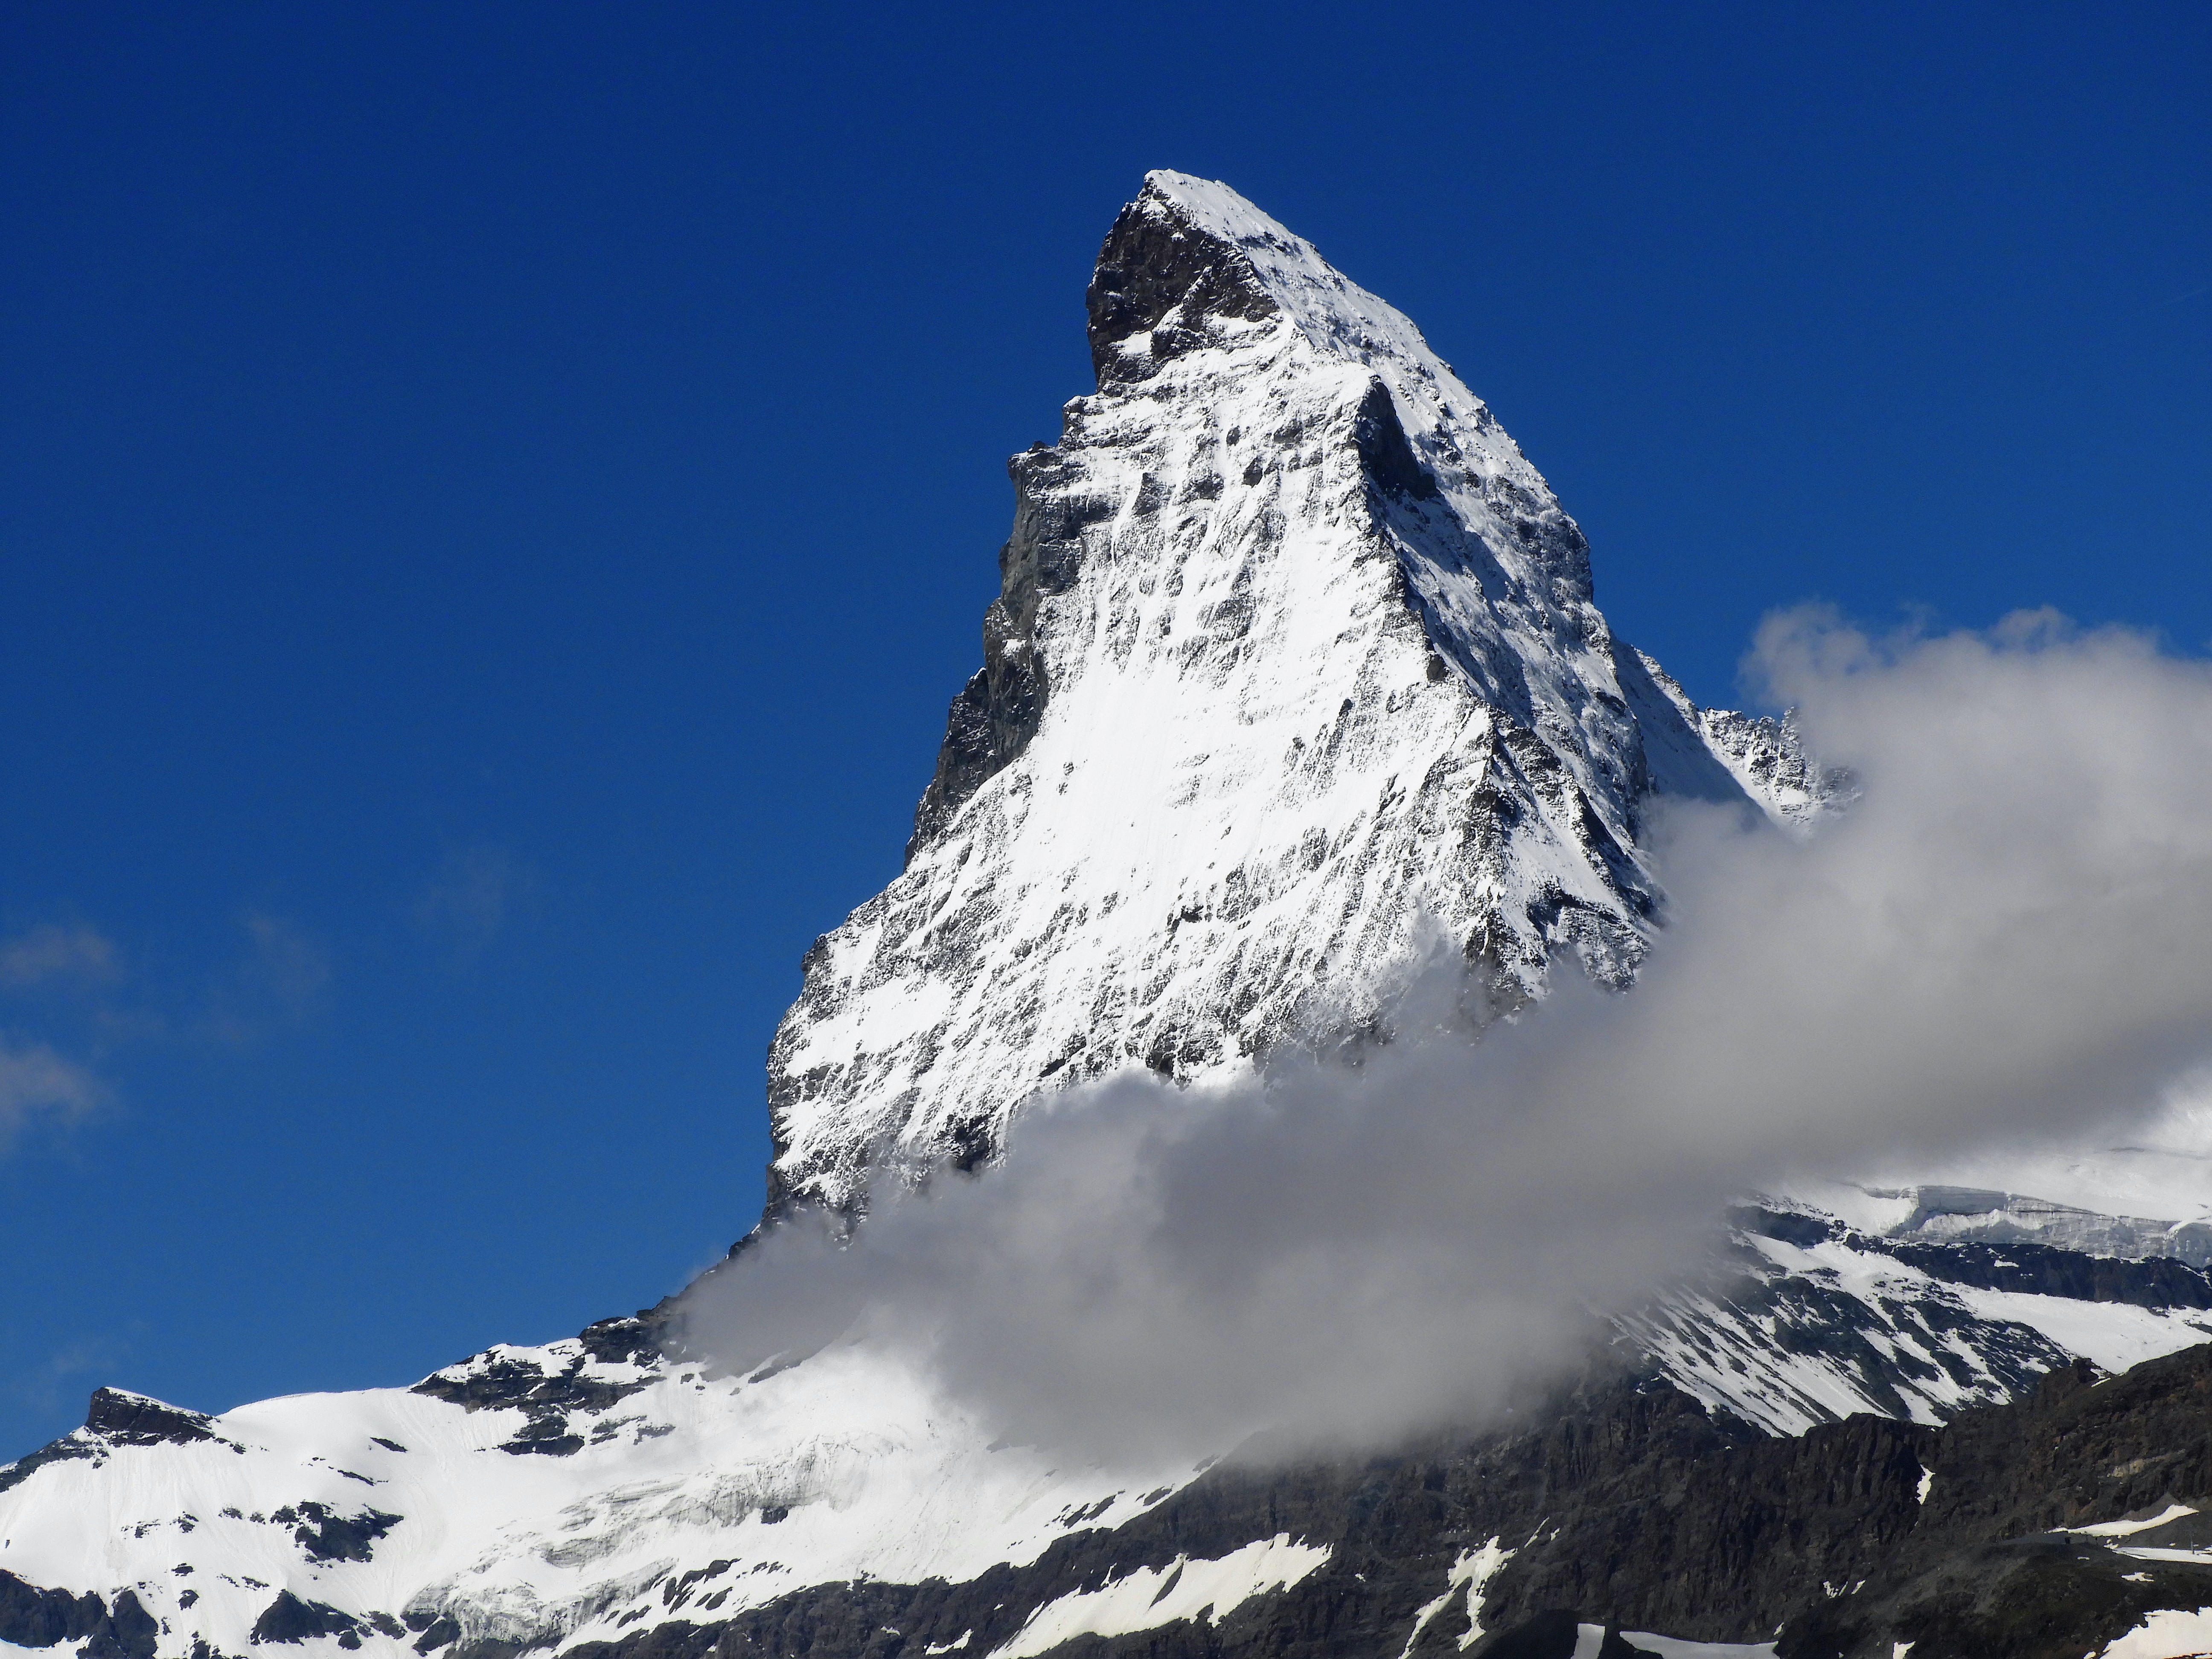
(1297,666)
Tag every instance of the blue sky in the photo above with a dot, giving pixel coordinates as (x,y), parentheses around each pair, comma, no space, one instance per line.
(494,502)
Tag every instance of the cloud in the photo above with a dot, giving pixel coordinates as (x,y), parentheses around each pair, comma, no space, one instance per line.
(475,896)
(282,980)
(2007,942)
(37,1083)
(51,952)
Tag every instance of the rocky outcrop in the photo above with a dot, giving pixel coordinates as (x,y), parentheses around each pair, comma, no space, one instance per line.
(34,1618)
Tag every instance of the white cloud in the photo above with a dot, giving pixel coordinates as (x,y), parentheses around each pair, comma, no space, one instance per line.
(35,1082)
(50,951)
(2007,941)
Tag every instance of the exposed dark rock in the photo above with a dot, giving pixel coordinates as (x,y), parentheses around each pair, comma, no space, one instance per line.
(34,1618)
(70,1448)
(1554,1635)
(1154,262)
(133,1419)
(113,1418)
(997,713)
(2045,1270)
(326,1535)
(290,1619)
(544,1436)
(634,1338)
(550,1395)
(2044,1597)
(1385,450)
(1802,1231)
(131,1631)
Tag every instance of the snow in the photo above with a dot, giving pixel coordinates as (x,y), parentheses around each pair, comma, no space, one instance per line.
(1282,712)
(2169,1634)
(2112,1334)
(2129,1529)
(1735,1360)
(880,1478)
(2149,1194)
(1149,1597)
(1672,1647)
(1471,1573)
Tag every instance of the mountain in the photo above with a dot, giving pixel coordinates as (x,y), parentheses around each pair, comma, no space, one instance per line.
(1294,653)
(1296,664)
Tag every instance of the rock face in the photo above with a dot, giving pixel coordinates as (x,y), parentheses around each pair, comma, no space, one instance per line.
(1295,656)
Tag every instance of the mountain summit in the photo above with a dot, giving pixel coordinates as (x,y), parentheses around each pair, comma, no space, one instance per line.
(1294,655)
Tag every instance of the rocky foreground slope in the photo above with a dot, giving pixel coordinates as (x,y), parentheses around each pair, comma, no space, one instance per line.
(1295,656)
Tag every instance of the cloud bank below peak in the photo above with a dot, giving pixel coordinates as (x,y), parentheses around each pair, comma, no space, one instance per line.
(2006,943)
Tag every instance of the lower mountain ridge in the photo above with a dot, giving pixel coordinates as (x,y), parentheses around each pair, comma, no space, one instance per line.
(1835,1443)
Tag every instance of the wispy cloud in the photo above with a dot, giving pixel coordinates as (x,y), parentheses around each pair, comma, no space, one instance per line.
(52,952)
(283,981)
(36,1083)
(44,1384)
(477,895)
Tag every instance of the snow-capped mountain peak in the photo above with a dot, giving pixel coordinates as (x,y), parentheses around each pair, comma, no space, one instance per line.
(1295,659)
(1294,655)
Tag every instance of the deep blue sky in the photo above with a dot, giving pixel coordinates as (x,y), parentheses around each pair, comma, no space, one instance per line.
(494,501)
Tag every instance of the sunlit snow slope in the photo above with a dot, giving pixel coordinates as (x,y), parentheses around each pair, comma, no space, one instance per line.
(1295,654)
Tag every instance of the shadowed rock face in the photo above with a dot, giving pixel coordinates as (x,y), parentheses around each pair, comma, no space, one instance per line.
(133,1419)
(1283,586)
(1160,260)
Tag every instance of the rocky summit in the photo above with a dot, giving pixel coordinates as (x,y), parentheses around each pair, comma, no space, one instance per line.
(1295,665)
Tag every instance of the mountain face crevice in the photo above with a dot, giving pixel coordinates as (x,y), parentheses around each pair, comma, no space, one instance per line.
(1294,657)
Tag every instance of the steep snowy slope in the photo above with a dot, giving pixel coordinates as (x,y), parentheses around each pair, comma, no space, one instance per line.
(1295,654)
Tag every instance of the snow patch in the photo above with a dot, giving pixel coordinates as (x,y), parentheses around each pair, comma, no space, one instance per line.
(1472,1572)
(2169,1634)
(2127,1529)
(1151,1596)
(1674,1647)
